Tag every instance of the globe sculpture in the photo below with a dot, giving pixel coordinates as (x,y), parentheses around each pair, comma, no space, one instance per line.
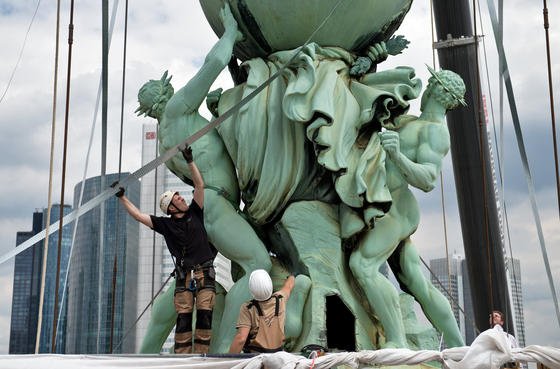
(272,25)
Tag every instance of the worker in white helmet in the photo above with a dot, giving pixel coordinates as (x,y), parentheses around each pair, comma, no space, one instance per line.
(187,242)
(260,326)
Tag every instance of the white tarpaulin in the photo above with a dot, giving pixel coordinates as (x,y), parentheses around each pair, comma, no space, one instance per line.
(488,351)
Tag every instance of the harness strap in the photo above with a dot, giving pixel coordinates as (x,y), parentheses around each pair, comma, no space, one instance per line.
(256,304)
(224,193)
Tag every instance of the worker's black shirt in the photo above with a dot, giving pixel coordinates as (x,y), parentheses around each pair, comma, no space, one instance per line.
(186,237)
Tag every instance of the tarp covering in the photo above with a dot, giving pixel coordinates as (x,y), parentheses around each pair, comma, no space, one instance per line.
(489,351)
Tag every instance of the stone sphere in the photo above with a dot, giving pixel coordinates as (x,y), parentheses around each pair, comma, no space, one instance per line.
(274,25)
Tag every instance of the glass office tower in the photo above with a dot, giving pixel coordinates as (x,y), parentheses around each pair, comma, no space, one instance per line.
(102,286)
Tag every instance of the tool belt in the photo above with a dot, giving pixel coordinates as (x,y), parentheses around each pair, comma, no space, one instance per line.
(195,277)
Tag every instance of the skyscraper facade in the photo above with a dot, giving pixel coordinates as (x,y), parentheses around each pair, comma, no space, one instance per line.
(513,269)
(50,283)
(102,306)
(26,290)
(456,283)
(447,277)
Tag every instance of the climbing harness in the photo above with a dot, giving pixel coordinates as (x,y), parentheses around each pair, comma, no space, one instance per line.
(267,333)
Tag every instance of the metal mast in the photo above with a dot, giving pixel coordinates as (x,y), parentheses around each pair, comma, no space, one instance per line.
(457,51)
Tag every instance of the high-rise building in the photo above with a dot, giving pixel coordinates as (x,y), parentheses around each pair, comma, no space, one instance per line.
(26,290)
(513,269)
(447,277)
(154,261)
(50,283)
(456,283)
(102,285)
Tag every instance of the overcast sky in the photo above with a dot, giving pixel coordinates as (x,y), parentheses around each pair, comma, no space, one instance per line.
(174,35)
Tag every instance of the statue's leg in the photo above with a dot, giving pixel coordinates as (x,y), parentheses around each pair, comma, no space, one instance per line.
(162,321)
(294,308)
(374,249)
(433,302)
(237,241)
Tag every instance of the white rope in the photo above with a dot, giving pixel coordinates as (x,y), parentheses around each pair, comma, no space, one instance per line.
(49,191)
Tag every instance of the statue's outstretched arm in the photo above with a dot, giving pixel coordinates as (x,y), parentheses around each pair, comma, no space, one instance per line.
(189,98)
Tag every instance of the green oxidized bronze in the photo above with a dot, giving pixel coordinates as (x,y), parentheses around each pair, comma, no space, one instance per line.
(322,159)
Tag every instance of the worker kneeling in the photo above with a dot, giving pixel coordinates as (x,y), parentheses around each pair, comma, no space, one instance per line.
(260,326)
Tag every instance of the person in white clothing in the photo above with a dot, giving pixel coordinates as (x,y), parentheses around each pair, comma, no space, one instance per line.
(497,322)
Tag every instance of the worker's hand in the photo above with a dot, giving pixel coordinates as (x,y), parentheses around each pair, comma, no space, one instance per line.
(187,154)
(120,193)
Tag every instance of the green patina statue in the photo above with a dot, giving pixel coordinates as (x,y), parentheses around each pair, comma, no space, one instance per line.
(322,159)
(415,147)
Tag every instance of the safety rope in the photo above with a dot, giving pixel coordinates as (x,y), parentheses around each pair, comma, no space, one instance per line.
(49,191)
(139,173)
(20,52)
(63,175)
(86,166)
(116,242)
(551,97)
(523,154)
(143,312)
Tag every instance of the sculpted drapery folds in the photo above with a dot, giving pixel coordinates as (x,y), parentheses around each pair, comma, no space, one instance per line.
(314,110)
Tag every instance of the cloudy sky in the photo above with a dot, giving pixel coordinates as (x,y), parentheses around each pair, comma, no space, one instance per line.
(174,35)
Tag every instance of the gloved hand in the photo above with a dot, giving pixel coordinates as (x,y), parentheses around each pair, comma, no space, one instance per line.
(187,154)
(121,189)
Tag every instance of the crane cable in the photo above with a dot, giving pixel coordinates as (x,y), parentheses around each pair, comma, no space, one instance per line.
(116,243)
(63,175)
(551,96)
(12,75)
(86,166)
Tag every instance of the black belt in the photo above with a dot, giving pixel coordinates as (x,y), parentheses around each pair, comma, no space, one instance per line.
(206,264)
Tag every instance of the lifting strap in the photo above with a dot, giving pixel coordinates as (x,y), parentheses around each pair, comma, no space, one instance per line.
(103,196)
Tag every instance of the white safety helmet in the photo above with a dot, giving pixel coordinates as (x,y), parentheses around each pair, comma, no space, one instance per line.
(260,285)
(165,200)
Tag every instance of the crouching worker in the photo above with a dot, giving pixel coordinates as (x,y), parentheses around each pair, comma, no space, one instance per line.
(187,242)
(260,327)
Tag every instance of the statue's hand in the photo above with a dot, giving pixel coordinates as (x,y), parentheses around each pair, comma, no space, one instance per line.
(212,100)
(396,45)
(377,52)
(391,142)
(229,22)
(360,67)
